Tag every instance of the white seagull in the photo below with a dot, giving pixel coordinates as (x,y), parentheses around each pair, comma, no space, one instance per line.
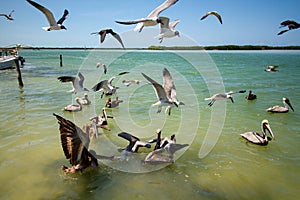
(166,94)
(130,82)
(76,82)
(212,13)
(152,19)
(102,65)
(53,25)
(8,17)
(221,96)
(167,29)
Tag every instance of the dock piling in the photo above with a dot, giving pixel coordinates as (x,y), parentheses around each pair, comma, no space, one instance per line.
(19,73)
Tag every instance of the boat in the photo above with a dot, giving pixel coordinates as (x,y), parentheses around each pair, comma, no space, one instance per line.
(8,58)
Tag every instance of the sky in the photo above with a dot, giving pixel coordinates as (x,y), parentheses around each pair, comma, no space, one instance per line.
(252,22)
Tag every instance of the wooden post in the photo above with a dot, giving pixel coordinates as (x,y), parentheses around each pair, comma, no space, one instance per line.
(19,73)
(60,61)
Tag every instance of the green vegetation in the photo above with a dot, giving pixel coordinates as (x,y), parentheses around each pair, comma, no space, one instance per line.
(226,47)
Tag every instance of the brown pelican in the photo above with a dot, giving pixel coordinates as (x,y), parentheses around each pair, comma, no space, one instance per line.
(290,24)
(75,144)
(53,25)
(101,120)
(85,100)
(152,19)
(221,96)
(212,13)
(112,104)
(134,142)
(74,107)
(157,140)
(271,68)
(281,109)
(8,17)
(77,82)
(103,33)
(250,96)
(102,65)
(166,94)
(257,138)
(130,82)
(106,87)
(167,29)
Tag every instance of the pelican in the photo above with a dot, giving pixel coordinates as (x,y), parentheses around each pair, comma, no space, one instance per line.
(290,24)
(102,65)
(73,107)
(212,13)
(106,87)
(221,96)
(152,19)
(167,94)
(281,109)
(130,82)
(112,104)
(8,17)
(258,138)
(53,25)
(250,96)
(134,142)
(85,100)
(101,120)
(157,140)
(77,82)
(166,29)
(103,33)
(75,144)
(271,68)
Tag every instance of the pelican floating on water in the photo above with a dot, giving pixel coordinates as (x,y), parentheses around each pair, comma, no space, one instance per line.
(85,100)
(112,104)
(166,94)
(271,68)
(77,82)
(74,107)
(281,109)
(257,138)
(101,120)
(221,96)
(152,19)
(250,96)
(75,144)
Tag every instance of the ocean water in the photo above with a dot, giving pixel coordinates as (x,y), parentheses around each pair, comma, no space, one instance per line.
(218,163)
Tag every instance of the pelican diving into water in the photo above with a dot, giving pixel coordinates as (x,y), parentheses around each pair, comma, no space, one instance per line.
(221,96)
(281,109)
(257,138)
(166,94)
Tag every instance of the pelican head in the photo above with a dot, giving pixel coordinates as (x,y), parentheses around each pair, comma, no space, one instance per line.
(266,126)
(85,95)
(158,131)
(287,101)
(77,99)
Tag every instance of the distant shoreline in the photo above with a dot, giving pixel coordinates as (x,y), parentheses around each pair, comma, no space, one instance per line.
(219,47)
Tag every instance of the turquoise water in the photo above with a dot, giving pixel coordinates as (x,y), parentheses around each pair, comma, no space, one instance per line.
(218,164)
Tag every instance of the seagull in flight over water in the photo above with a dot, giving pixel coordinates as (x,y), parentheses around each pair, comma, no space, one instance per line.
(8,17)
(152,19)
(290,24)
(103,33)
(77,82)
(167,29)
(166,94)
(221,96)
(212,13)
(53,25)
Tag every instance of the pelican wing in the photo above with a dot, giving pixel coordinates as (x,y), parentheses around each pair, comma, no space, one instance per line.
(128,136)
(253,137)
(74,141)
(212,13)
(47,13)
(169,86)
(62,19)
(161,8)
(159,90)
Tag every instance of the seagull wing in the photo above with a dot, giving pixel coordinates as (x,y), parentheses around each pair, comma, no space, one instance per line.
(128,136)
(161,8)
(46,12)
(164,25)
(102,35)
(74,141)
(11,12)
(281,32)
(62,19)
(81,79)
(115,35)
(133,22)
(100,85)
(169,86)
(66,79)
(159,90)
(173,24)
(212,13)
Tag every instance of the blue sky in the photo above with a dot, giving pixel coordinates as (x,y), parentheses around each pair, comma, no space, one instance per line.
(254,22)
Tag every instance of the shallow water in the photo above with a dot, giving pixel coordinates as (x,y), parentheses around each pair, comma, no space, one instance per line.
(31,154)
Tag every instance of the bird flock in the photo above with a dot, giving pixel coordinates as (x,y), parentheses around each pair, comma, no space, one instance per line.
(75,140)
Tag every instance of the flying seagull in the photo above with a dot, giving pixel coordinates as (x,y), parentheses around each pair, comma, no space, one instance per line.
(103,33)
(166,94)
(212,13)
(220,96)
(75,143)
(8,17)
(102,65)
(290,24)
(167,29)
(77,82)
(53,25)
(152,19)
